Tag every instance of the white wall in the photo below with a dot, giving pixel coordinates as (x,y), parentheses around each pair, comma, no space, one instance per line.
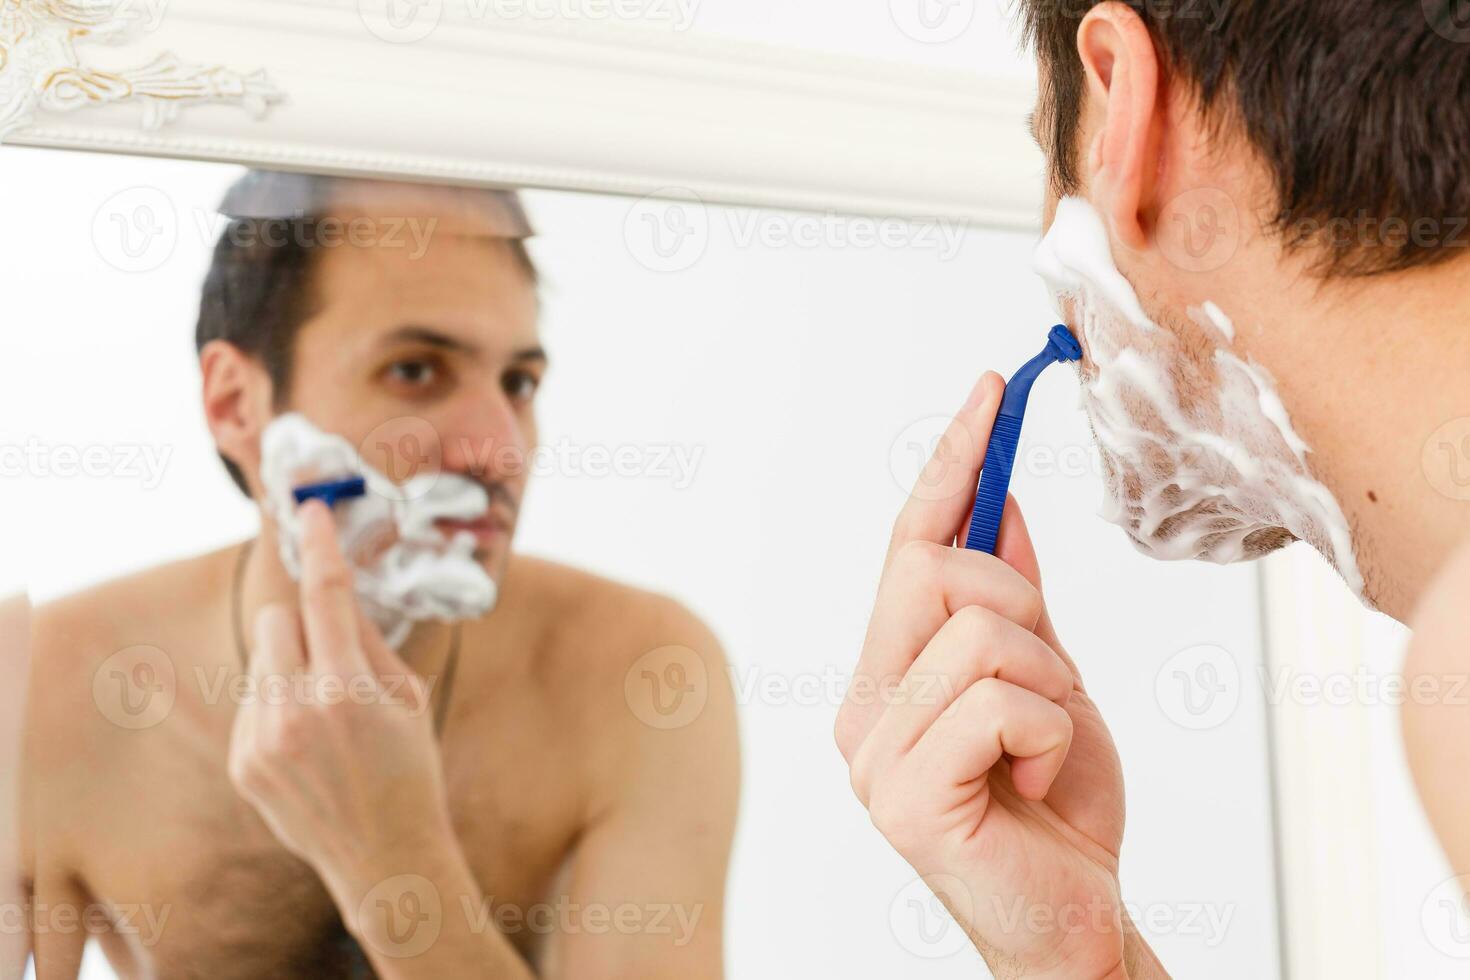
(805,376)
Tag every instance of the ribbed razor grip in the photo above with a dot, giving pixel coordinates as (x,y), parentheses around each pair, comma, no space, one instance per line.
(995,483)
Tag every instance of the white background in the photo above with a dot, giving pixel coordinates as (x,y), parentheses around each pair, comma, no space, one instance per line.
(805,376)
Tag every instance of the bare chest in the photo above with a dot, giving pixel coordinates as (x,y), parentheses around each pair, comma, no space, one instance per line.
(200,887)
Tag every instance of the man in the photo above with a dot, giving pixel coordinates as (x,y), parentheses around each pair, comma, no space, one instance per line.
(231,773)
(1318,148)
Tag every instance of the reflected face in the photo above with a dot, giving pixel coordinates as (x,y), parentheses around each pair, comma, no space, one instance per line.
(428,359)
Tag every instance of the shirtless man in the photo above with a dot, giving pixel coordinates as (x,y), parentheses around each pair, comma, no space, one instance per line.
(495,801)
(1320,146)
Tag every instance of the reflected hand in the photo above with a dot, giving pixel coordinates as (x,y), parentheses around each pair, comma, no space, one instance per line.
(972,742)
(336,749)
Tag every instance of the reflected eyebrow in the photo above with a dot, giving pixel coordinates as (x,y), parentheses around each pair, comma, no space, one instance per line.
(430,337)
(530,354)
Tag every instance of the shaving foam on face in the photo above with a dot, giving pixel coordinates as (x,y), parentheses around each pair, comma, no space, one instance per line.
(406,569)
(1201,460)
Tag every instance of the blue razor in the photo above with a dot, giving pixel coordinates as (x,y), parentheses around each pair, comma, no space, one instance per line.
(331,491)
(1000,455)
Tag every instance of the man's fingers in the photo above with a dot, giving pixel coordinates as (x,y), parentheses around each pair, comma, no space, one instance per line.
(993,719)
(975,645)
(388,667)
(1014,547)
(1013,543)
(925,585)
(381,658)
(945,490)
(276,656)
(278,647)
(328,604)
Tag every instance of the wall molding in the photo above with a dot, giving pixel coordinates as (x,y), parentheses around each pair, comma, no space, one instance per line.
(637,109)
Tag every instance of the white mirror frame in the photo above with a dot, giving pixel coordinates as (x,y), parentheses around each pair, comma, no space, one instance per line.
(458,93)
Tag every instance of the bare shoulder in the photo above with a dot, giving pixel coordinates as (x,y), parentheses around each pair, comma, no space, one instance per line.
(135,608)
(604,624)
(73,637)
(1436,713)
(641,671)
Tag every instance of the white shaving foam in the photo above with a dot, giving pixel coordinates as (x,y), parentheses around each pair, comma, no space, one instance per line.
(1220,320)
(1211,317)
(1200,456)
(406,569)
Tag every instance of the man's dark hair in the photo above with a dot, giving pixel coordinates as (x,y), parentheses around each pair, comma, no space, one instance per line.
(259,288)
(1360,109)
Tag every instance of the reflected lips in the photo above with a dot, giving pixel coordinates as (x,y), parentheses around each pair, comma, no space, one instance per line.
(486,528)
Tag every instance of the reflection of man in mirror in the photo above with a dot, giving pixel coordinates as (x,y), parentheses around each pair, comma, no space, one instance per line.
(233,772)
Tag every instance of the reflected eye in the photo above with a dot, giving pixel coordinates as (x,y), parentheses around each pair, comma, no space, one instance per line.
(521,385)
(413,373)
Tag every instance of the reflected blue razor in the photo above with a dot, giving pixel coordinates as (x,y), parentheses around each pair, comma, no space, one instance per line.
(331,491)
(1000,455)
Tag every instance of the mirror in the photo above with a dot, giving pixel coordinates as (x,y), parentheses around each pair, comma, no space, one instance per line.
(733,406)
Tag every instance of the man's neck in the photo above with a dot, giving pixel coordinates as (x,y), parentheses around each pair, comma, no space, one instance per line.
(1372,372)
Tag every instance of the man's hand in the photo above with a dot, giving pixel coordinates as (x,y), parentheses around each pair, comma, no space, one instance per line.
(336,750)
(973,744)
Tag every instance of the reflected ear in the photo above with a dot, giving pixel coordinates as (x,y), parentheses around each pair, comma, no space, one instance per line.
(237,403)
(1123,99)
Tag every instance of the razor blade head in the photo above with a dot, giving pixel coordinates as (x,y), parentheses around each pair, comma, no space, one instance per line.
(1065,345)
(331,491)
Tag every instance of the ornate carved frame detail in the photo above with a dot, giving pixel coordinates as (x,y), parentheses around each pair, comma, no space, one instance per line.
(40,68)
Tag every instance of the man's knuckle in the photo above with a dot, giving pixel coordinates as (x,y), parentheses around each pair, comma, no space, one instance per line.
(1032,605)
(861,774)
(894,818)
(327,578)
(986,697)
(844,732)
(920,560)
(977,625)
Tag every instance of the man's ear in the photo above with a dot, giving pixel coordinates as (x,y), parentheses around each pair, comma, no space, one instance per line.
(237,402)
(1123,101)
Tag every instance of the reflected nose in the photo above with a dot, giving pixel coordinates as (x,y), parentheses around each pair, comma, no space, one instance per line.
(487,440)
